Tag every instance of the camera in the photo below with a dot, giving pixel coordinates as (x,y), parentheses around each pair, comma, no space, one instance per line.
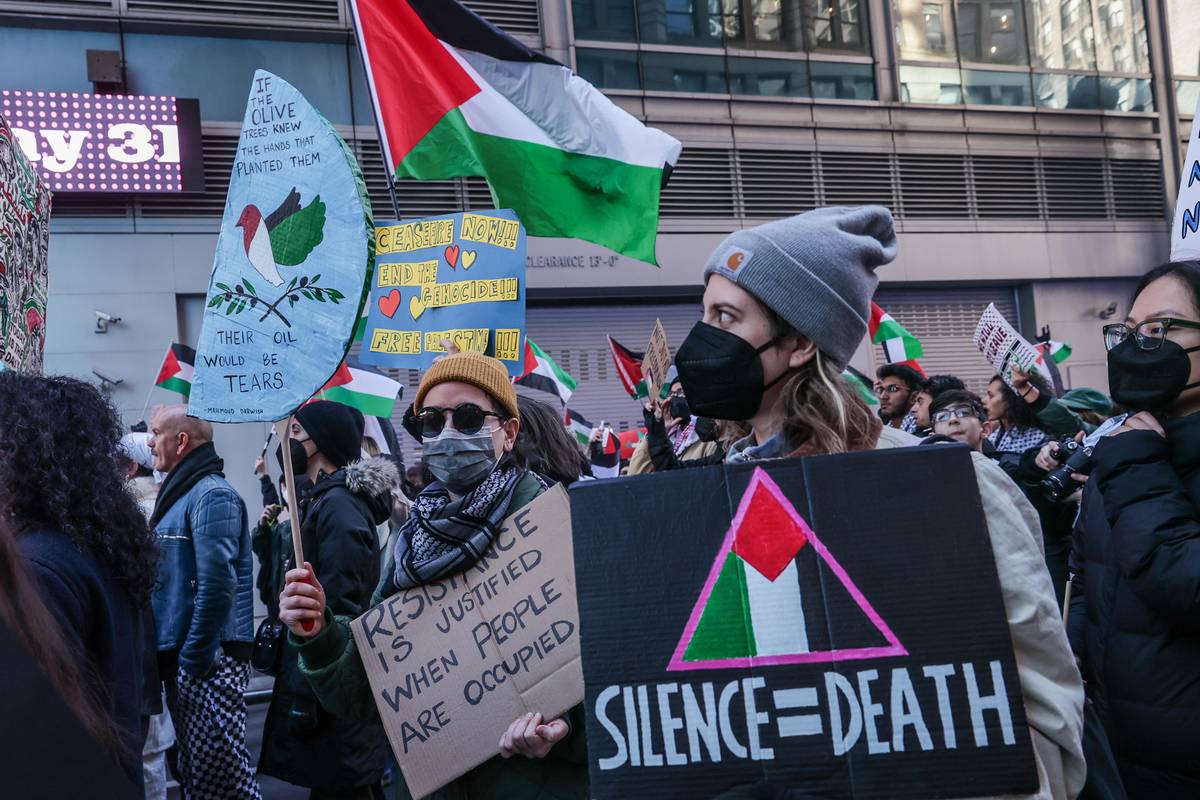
(1072,457)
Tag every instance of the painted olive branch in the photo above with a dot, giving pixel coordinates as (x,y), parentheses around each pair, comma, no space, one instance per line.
(243,295)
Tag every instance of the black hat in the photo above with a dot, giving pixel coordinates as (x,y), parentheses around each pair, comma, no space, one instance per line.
(337,430)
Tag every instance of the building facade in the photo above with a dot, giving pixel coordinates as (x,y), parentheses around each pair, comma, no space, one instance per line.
(1030,151)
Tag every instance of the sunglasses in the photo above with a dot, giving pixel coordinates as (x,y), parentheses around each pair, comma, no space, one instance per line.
(466,418)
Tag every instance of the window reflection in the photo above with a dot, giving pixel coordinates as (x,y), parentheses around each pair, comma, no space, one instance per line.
(840,81)
(924,29)
(991,31)
(609,69)
(1056,43)
(768,77)
(834,24)
(983,87)
(1067,91)
(930,85)
(1183,26)
(682,72)
(604,19)
(1120,27)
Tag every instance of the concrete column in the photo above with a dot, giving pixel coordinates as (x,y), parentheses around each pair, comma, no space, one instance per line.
(1164,98)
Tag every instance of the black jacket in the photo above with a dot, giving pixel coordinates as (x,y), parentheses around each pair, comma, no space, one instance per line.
(1135,606)
(302,743)
(100,622)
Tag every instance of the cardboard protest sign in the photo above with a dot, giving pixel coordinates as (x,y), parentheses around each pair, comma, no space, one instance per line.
(801,634)
(1184,237)
(657,362)
(459,277)
(453,663)
(24,247)
(291,266)
(1003,347)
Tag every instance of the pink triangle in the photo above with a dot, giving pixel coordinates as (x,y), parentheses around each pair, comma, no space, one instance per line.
(751,509)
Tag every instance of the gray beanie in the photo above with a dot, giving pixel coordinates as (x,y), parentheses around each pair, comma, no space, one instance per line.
(815,270)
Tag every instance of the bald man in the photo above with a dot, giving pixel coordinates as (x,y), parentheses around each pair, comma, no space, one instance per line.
(203,607)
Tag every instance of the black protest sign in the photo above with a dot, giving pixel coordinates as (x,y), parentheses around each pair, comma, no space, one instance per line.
(828,625)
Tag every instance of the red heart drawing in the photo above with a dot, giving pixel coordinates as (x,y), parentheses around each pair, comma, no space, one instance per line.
(389,303)
(452,256)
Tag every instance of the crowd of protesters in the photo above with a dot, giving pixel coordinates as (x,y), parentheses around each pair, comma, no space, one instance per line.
(126,562)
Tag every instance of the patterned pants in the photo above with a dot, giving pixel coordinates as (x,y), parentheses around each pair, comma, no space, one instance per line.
(210,726)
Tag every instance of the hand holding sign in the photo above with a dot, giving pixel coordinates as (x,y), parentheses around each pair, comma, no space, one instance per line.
(527,736)
(302,602)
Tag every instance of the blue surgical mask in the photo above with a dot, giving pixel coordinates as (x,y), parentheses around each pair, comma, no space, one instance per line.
(460,461)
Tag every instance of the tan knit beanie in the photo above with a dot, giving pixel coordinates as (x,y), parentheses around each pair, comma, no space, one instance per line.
(482,372)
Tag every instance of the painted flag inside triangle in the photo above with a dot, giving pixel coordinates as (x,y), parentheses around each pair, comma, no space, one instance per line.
(543,374)
(776,595)
(177,369)
(899,346)
(629,369)
(456,97)
(362,387)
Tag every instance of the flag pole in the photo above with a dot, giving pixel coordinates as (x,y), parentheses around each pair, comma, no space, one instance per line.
(284,431)
(353,7)
(150,393)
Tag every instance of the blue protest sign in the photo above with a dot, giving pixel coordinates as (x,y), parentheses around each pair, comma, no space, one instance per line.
(459,277)
(291,266)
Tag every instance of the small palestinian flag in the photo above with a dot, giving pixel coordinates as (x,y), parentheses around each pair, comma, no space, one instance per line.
(177,369)
(899,346)
(543,374)
(629,369)
(455,96)
(1058,352)
(362,387)
(580,427)
(862,385)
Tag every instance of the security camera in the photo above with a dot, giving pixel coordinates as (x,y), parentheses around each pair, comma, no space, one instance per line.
(103,320)
(107,383)
(1108,311)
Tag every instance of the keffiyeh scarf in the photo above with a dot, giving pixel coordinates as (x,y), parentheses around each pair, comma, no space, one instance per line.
(1016,440)
(443,536)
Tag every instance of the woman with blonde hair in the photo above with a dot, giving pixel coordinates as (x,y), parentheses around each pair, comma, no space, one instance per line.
(785,306)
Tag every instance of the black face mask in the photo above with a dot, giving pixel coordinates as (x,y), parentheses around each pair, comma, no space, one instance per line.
(722,373)
(299,456)
(679,408)
(1149,380)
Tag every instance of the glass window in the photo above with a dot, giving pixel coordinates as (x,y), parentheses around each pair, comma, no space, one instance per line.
(608,69)
(1120,27)
(1183,25)
(682,72)
(688,22)
(1055,46)
(1187,96)
(835,25)
(941,85)
(768,77)
(991,31)
(604,19)
(1066,91)
(985,87)
(834,80)
(1126,94)
(924,30)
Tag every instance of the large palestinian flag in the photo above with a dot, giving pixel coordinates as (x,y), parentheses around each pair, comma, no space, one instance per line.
(456,97)
(542,373)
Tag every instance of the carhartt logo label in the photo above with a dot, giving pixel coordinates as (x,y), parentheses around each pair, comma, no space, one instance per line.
(776,595)
(735,258)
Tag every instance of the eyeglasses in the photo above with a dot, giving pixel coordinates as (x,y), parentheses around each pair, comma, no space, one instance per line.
(882,390)
(1149,335)
(467,418)
(954,413)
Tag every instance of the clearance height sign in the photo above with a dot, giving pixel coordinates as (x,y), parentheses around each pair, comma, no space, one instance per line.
(810,631)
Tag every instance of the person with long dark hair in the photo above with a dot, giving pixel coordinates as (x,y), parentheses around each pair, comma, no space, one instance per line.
(84,545)
(1017,427)
(1135,603)
(546,446)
